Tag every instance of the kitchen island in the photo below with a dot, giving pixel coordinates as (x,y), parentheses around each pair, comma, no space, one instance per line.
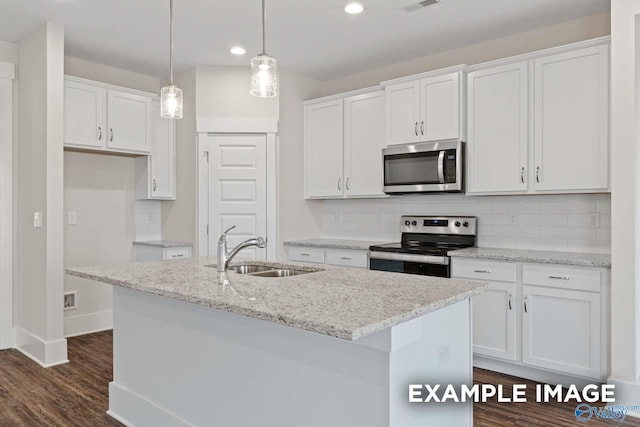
(332,347)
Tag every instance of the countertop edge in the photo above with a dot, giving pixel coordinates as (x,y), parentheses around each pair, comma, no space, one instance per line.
(531,258)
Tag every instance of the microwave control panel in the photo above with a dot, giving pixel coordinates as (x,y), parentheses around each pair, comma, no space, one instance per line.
(450,166)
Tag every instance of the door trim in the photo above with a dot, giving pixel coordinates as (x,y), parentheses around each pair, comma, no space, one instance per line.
(208,127)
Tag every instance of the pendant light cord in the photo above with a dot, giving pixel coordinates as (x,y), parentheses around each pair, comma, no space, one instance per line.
(264,38)
(171,40)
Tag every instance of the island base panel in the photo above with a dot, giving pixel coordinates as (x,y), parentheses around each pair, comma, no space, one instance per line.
(179,364)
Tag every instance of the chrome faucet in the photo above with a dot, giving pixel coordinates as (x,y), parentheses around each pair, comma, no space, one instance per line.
(225,257)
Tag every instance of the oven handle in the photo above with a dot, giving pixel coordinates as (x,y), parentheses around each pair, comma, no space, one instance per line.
(441,166)
(440,260)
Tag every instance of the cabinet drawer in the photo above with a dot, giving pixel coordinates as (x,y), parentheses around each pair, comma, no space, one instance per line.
(176,253)
(305,254)
(348,258)
(561,277)
(484,270)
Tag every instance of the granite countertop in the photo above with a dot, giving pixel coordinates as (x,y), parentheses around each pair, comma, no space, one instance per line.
(346,303)
(545,257)
(162,244)
(362,245)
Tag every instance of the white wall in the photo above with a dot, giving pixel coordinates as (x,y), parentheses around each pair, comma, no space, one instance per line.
(8,52)
(625,137)
(40,269)
(529,41)
(100,189)
(557,222)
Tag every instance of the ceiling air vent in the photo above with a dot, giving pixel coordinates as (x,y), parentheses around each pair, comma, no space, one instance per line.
(426,3)
(420,5)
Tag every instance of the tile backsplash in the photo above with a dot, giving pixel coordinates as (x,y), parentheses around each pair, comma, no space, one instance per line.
(574,223)
(148,220)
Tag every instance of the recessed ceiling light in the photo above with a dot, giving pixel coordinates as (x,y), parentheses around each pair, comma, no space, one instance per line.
(353,8)
(238,50)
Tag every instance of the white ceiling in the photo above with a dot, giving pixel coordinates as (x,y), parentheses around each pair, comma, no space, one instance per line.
(315,38)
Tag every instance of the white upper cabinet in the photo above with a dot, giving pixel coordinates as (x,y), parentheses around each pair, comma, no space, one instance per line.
(571,120)
(105,118)
(323,144)
(363,143)
(129,118)
(427,109)
(84,115)
(343,144)
(497,129)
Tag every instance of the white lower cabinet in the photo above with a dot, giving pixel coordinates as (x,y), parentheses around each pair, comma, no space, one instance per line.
(547,317)
(330,256)
(157,253)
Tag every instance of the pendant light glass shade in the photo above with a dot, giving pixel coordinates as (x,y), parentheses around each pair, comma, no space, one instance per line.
(170,95)
(171,102)
(264,76)
(264,69)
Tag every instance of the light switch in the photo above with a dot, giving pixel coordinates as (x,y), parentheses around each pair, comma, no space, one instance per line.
(72,218)
(37,219)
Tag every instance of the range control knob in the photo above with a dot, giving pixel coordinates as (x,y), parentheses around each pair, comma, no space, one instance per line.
(414,222)
(458,224)
(407,223)
(466,224)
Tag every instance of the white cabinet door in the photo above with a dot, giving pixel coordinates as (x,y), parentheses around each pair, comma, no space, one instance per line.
(561,330)
(129,121)
(403,112)
(440,108)
(363,143)
(162,159)
(494,321)
(84,115)
(497,129)
(571,120)
(323,127)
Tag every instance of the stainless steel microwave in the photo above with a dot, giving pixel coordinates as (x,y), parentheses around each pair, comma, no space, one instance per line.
(426,167)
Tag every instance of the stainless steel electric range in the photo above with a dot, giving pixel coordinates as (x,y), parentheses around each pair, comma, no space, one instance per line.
(424,244)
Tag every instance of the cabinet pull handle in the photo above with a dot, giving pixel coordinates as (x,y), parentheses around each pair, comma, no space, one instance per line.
(525,305)
(347,183)
(345,258)
(560,277)
(339,183)
(178,256)
(154,185)
(482,271)
(509,301)
(304,255)
(111,136)
(422,127)
(415,128)
(99,133)
(538,174)
(522,175)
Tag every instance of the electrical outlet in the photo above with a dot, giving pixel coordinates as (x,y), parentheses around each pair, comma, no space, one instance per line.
(513,218)
(443,354)
(37,219)
(72,218)
(70,300)
(594,220)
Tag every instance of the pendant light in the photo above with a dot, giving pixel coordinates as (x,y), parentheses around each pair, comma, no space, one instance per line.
(171,96)
(264,69)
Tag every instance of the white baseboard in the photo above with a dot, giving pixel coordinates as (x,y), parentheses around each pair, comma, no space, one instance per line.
(131,409)
(44,353)
(627,394)
(88,323)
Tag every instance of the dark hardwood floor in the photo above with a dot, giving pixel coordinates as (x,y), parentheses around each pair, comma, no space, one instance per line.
(76,394)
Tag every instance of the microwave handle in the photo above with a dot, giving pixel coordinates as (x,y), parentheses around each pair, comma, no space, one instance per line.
(441,166)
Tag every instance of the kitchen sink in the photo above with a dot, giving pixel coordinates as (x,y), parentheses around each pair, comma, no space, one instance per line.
(280,272)
(248,268)
(267,271)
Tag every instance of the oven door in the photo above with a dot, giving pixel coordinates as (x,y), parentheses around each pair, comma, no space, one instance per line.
(411,264)
(424,167)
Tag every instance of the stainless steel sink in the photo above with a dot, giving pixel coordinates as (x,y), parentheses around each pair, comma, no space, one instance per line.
(249,269)
(280,272)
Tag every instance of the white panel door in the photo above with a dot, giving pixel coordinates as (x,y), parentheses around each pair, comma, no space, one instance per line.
(572,120)
(6,214)
(494,321)
(363,143)
(162,155)
(323,149)
(497,127)
(561,330)
(440,108)
(238,190)
(84,115)
(129,121)
(403,112)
